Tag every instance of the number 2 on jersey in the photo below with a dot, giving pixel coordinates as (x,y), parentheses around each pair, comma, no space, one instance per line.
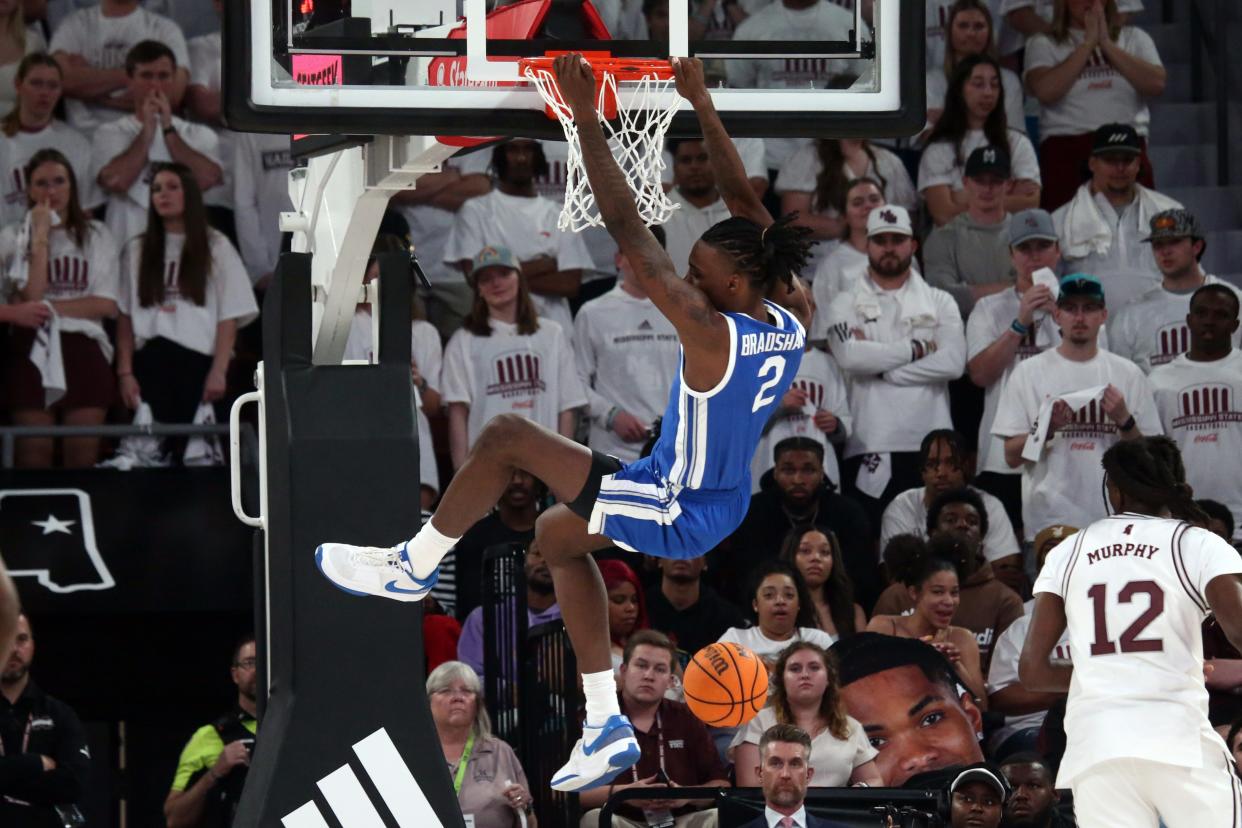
(774,365)
(1129,641)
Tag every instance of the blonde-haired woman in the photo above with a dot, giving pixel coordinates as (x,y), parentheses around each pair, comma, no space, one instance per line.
(487,776)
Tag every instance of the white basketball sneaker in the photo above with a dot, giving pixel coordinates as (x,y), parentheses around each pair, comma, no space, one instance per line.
(371,570)
(601,754)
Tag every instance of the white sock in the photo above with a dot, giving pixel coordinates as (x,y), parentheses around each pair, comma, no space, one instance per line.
(601,697)
(427,549)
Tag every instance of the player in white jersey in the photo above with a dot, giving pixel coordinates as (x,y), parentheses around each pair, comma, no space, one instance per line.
(739,354)
(1133,589)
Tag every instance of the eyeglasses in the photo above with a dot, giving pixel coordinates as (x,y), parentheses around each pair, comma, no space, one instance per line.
(246,663)
(453,691)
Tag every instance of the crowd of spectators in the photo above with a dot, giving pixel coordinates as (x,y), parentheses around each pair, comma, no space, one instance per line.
(996,303)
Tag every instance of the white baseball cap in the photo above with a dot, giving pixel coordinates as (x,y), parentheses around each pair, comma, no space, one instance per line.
(889,218)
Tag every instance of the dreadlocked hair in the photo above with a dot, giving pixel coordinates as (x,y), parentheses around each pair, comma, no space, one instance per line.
(1149,471)
(769,256)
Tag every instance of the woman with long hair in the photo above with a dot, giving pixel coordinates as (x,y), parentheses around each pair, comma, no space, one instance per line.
(814,181)
(814,552)
(487,776)
(627,607)
(783,613)
(969,30)
(58,255)
(974,116)
(1090,70)
(185,294)
(935,588)
(506,359)
(17,40)
(29,126)
(806,691)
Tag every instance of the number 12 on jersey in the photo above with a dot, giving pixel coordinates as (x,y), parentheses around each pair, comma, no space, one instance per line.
(1129,642)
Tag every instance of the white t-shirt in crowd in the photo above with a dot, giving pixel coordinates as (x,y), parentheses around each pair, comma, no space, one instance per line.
(1145,577)
(1066,485)
(104,42)
(991,317)
(1153,331)
(73,272)
(802,170)
(837,273)
(206,56)
(427,354)
(510,373)
(261,164)
(229,295)
(1003,672)
(886,384)
(1200,407)
(833,759)
(127,212)
(937,33)
(939,164)
(1010,40)
(1101,94)
(775,21)
(1015,103)
(16,151)
(821,379)
(598,240)
(628,355)
(35,42)
(430,226)
(907,515)
(527,226)
(687,225)
(753,639)
(1128,269)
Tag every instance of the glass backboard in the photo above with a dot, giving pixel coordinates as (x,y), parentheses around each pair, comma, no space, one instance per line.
(450,67)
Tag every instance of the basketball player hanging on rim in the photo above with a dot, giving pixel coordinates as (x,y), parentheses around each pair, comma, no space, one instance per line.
(1134,589)
(739,354)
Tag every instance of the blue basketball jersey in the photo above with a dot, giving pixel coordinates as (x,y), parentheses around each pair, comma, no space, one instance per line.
(707,438)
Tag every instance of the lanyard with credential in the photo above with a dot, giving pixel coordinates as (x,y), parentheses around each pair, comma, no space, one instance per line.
(659,728)
(461,767)
(25,736)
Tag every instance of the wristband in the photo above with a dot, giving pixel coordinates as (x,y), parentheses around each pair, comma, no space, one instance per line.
(1129,424)
(612,418)
(1018,328)
(168,129)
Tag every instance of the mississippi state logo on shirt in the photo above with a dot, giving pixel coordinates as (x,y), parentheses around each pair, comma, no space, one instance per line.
(276,160)
(68,276)
(1172,341)
(515,374)
(1205,407)
(1089,421)
(1027,347)
(811,72)
(15,187)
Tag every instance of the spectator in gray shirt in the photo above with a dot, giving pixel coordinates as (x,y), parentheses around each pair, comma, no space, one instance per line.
(969,256)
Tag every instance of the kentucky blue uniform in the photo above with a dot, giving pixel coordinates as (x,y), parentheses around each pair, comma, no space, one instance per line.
(694,488)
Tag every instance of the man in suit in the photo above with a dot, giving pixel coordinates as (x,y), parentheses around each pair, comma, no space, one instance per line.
(784,772)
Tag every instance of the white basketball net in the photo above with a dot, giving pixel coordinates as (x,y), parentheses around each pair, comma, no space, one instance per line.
(636,139)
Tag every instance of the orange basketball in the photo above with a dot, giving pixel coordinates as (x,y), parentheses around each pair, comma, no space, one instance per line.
(725,684)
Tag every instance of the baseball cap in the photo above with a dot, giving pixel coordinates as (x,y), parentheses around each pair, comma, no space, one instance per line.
(1056,532)
(1174,224)
(988,159)
(1031,224)
(982,772)
(1081,284)
(494,257)
(1116,138)
(889,218)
